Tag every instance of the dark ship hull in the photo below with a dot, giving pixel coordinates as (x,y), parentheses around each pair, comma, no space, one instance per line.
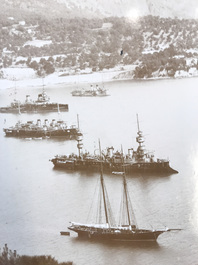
(88,94)
(68,134)
(116,233)
(47,130)
(141,167)
(38,108)
(136,161)
(97,92)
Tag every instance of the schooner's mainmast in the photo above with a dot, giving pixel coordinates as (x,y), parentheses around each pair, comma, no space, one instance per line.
(126,199)
(102,186)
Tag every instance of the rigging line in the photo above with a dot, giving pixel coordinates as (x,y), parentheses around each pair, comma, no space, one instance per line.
(98,216)
(120,212)
(110,212)
(148,213)
(90,209)
(97,209)
(123,218)
(132,210)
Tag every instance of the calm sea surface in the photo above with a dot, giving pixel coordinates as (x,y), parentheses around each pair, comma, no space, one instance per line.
(37,201)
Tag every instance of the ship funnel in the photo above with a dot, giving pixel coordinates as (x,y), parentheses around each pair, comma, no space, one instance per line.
(110,151)
(40,97)
(27,98)
(130,151)
(46,122)
(53,122)
(38,122)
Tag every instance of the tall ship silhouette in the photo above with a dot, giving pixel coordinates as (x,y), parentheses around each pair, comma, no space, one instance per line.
(42,104)
(135,161)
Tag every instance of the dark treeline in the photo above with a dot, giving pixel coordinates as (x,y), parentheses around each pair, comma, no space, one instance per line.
(8,257)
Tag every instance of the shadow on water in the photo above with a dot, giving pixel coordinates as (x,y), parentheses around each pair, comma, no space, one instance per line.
(84,173)
(118,244)
(51,139)
(93,172)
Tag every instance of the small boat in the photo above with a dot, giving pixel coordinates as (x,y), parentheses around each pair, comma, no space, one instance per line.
(42,104)
(92,92)
(65,233)
(135,161)
(107,230)
(46,130)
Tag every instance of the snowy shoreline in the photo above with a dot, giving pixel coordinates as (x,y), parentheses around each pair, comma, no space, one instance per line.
(29,79)
(55,78)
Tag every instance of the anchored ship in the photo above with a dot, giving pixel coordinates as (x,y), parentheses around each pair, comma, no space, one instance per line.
(135,161)
(126,230)
(42,104)
(92,92)
(46,130)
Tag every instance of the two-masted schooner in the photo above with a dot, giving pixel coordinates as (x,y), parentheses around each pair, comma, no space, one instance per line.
(128,231)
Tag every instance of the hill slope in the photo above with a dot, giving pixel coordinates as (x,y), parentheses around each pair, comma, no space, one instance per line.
(156,46)
(100,8)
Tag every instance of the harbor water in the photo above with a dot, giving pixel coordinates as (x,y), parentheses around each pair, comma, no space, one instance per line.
(38,201)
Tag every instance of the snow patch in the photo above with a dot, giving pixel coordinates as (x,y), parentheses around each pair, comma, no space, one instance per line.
(18,73)
(38,43)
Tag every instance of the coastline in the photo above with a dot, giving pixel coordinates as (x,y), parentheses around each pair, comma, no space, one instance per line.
(56,78)
(31,80)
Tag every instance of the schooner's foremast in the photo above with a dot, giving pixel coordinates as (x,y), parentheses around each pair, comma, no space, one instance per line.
(126,195)
(102,186)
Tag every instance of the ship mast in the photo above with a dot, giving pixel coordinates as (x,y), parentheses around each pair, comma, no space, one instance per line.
(126,198)
(78,122)
(138,123)
(126,191)
(79,139)
(103,189)
(140,140)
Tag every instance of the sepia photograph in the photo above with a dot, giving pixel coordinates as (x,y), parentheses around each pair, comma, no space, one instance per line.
(98,132)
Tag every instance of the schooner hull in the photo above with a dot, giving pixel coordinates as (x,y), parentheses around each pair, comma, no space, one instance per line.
(132,236)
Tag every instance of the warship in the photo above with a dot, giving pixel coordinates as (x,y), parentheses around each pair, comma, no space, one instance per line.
(92,92)
(106,229)
(46,130)
(135,161)
(42,104)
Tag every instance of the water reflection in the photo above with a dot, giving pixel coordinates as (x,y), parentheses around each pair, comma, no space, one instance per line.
(144,176)
(54,197)
(130,245)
